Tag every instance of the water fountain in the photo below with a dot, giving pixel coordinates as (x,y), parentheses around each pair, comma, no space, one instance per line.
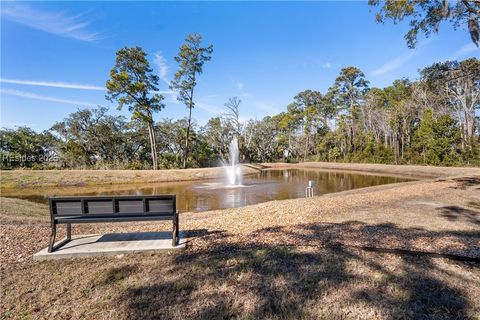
(232,170)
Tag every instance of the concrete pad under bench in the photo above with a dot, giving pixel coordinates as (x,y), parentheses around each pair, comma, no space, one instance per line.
(112,244)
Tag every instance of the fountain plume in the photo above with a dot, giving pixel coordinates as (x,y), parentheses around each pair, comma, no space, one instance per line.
(233,171)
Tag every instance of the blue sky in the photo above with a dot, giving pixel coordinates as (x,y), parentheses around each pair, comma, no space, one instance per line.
(56,56)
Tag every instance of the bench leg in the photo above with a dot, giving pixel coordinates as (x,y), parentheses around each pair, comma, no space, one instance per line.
(178,227)
(51,246)
(69,231)
(53,234)
(175,231)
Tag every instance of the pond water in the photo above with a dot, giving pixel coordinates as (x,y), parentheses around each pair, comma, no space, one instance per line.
(211,194)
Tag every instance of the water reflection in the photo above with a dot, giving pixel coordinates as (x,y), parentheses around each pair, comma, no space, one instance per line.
(200,196)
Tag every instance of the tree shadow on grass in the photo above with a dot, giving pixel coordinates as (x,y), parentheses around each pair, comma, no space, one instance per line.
(425,297)
(386,237)
(234,281)
(474,204)
(304,278)
(466,182)
(456,213)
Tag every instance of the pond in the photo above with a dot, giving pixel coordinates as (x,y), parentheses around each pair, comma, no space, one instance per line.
(211,194)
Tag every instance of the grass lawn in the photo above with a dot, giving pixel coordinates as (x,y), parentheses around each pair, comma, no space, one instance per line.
(245,282)
(385,252)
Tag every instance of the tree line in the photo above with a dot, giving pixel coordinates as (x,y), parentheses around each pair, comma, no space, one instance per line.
(433,121)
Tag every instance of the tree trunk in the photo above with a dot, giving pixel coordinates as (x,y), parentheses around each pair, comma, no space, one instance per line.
(352,137)
(352,129)
(153,145)
(469,127)
(306,149)
(190,107)
(154,139)
(403,144)
(185,156)
(289,143)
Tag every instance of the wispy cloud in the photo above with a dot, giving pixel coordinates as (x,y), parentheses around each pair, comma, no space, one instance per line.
(400,60)
(58,23)
(210,108)
(393,64)
(326,65)
(35,96)
(463,51)
(266,106)
(243,94)
(54,84)
(162,66)
(169,92)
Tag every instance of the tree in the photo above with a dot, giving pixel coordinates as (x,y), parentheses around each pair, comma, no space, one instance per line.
(218,132)
(309,102)
(264,140)
(171,136)
(347,93)
(426,15)
(233,114)
(23,147)
(288,123)
(91,136)
(136,144)
(402,115)
(374,114)
(459,83)
(131,83)
(190,58)
(437,139)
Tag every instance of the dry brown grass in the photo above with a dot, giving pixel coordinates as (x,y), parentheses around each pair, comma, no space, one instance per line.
(293,259)
(63,178)
(389,169)
(245,282)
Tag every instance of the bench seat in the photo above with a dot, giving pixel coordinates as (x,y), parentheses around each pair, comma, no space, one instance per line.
(110,218)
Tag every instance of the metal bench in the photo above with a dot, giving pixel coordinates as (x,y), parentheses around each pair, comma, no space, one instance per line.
(70,210)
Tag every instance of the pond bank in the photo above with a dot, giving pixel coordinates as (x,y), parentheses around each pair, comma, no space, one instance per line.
(80,178)
(387,169)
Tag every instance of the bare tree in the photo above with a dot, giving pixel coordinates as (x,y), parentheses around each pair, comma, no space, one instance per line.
(233,114)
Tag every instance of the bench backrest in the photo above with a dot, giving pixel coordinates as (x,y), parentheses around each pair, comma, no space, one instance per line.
(115,205)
